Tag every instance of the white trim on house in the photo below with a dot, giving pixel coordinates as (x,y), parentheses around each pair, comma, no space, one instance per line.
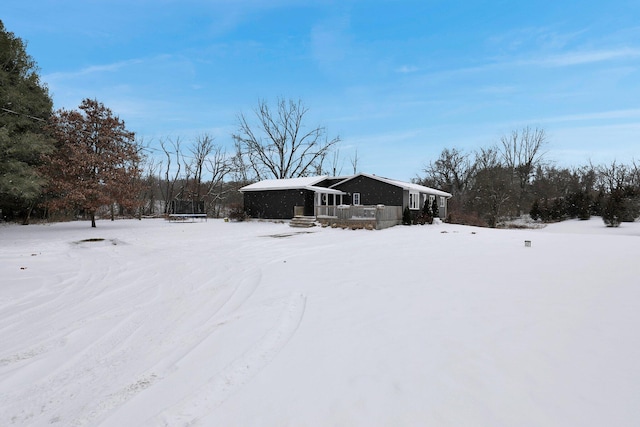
(414,200)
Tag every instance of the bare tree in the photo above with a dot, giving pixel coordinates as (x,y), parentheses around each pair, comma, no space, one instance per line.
(452,172)
(172,152)
(279,146)
(492,188)
(634,171)
(354,160)
(151,183)
(239,168)
(196,163)
(219,166)
(336,164)
(522,153)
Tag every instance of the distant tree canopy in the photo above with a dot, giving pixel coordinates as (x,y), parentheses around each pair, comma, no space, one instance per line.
(279,145)
(25,107)
(513,178)
(96,161)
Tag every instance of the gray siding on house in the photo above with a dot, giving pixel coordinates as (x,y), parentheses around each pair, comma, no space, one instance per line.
(442,210)
(278,204)
(372,192)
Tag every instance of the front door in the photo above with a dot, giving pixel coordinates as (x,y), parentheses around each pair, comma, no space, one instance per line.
(309,203)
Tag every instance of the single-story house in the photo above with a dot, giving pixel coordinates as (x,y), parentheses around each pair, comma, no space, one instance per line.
(324,196)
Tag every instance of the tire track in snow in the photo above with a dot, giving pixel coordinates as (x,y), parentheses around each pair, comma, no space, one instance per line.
(58,317)
(83,279)
(241,293)
(34,351)
(177,338)
(169,320)
(116,399)
(235,375)
(88,367)
(189,328)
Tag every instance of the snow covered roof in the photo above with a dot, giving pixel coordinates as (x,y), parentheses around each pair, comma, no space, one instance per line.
(284,184)
(309,183)
(404,185)
(305,183)
(416,187)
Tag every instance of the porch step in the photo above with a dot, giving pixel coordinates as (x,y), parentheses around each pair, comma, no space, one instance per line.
(303,221)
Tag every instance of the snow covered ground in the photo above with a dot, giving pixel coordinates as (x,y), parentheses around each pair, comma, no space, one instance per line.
(260,324)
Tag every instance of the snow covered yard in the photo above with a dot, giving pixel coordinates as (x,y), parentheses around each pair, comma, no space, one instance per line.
(150,323)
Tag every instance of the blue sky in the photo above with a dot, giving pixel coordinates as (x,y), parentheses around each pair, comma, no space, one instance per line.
(398,81)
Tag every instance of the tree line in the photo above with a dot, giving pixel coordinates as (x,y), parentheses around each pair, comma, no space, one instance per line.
(65,163)
(515,177)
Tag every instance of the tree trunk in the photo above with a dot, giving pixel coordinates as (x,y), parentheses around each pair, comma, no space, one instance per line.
(27,215)
(93,219)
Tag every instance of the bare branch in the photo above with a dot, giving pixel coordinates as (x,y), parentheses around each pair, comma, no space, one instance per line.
(279,147)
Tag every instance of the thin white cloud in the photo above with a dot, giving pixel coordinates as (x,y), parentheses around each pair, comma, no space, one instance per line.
(406,69)
(584,57)
(633,113)
(553,61)
(93,69)
(544,38)
(498,89)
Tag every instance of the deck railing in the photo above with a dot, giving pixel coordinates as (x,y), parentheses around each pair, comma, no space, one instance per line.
(384,216)
(357,212)
(328,211)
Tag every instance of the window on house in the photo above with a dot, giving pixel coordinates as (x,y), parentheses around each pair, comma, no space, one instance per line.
(442,199)
(414,200)
(431,199)
(356,198)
